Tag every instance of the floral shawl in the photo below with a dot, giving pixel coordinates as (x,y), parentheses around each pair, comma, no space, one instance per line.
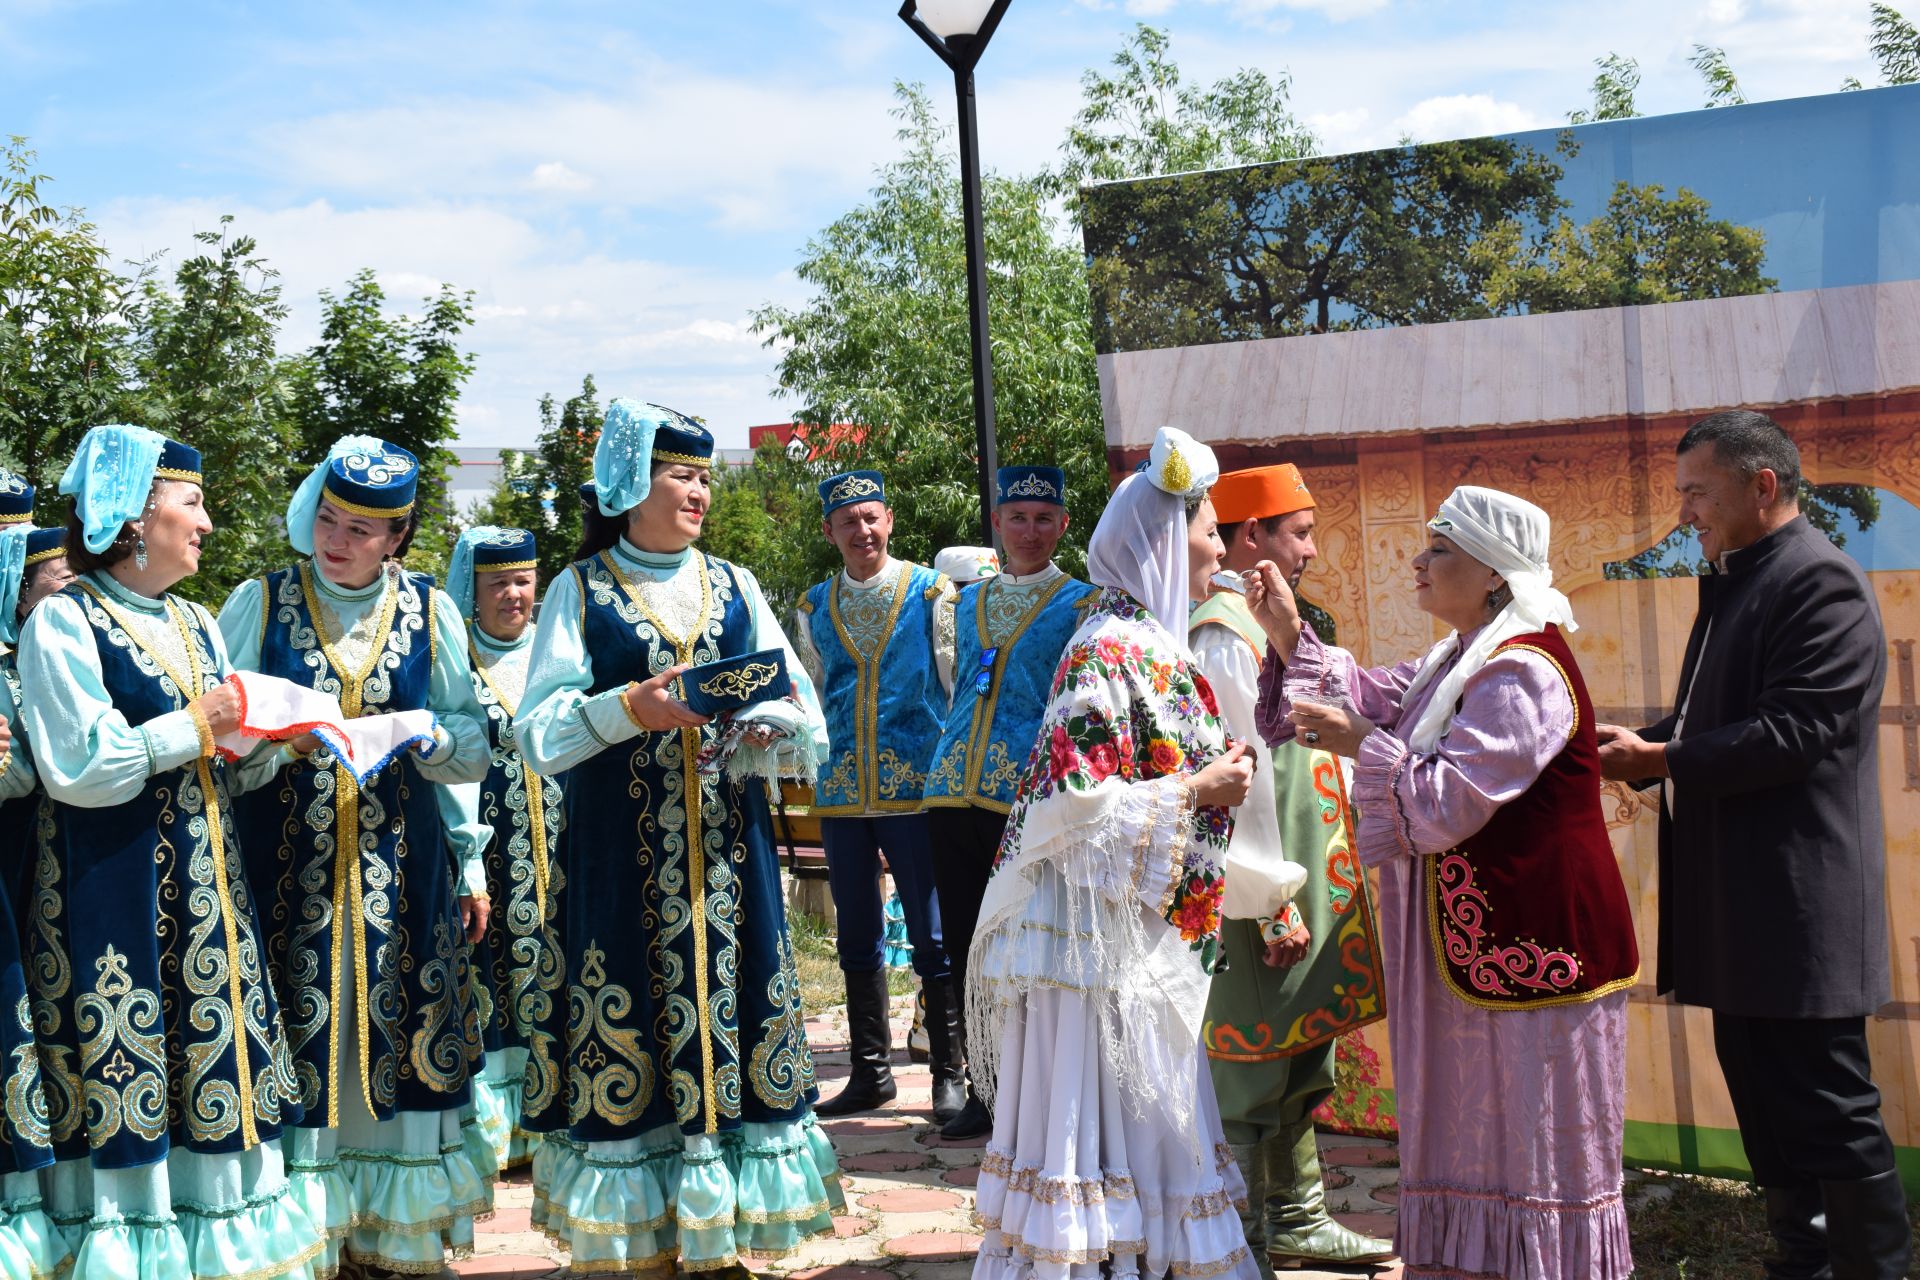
(1109,881)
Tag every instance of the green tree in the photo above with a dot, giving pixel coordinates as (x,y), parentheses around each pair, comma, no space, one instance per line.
(1142,120)
(1340,242)
(883,342)
(396,377)
(1646,248)
(208,374)
(1613,90)
(1895,44)
(541,491)
(1723,87)
(63,328)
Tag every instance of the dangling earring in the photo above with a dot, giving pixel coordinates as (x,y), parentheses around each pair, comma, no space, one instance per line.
(140,553)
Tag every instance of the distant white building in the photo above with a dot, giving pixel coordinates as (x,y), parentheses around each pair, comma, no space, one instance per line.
(472,477)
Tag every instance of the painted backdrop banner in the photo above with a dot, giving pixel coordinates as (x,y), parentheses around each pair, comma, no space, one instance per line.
(1546,313)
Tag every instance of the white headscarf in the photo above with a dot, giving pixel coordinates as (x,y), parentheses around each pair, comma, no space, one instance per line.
(1510,536)
(1140,544)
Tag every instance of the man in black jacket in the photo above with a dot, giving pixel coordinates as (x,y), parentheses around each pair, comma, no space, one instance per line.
(1772,865)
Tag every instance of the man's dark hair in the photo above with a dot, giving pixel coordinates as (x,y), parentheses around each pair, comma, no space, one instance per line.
(1748,442)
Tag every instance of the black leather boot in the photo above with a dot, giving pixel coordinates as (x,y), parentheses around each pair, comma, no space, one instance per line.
(945,1034)
(1797,1218)
(1868,1235)
(869,1045)
(974,1119)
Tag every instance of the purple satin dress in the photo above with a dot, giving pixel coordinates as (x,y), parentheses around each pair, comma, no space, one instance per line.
(1511,1120)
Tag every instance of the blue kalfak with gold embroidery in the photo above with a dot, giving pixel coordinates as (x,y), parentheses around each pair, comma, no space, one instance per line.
(341,865)
(1008,642)
(685,996)
(883,701)
(146,952)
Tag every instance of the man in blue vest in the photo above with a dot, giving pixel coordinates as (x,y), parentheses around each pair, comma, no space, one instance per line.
(1010,630)
(877,638)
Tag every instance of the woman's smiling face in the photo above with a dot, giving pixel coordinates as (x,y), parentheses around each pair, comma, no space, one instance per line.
(1451,585)
(349,548)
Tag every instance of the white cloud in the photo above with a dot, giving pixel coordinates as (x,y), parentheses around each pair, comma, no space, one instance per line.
(1465,115)
(545,312)
(555,176)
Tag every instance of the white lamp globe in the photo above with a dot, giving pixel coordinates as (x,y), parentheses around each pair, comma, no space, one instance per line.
(949,18)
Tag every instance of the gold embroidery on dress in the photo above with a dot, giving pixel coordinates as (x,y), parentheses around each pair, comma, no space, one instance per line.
(122,1042)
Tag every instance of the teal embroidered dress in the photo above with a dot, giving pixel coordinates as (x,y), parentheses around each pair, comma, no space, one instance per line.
(166,1066)
(364,938)
(684,1071)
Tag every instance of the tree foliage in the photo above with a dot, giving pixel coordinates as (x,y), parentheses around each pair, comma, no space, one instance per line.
(63,324)
(208,374)
(1646,248)
(1142,120)
(1895,44)
(541,490)
(1341,242)
(1613,91)
(1723,87)
(396,377)
(884,342)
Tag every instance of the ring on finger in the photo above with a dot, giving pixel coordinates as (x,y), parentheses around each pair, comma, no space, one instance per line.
(1311,736)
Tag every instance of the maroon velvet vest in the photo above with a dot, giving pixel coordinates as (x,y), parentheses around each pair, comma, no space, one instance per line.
(1530,910)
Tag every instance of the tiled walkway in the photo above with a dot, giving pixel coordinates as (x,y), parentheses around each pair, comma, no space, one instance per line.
(910,1194)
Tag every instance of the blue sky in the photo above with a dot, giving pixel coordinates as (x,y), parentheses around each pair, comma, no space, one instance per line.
(621,183)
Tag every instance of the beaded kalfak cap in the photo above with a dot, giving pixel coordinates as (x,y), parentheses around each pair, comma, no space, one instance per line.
(16,499)
(44,545)
(850,487)
(376,480)
(486,549)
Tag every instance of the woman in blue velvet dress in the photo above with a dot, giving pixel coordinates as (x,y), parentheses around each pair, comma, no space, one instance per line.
(367,937)
(33,563)
(685,1067)
(164,1063)
(519,982)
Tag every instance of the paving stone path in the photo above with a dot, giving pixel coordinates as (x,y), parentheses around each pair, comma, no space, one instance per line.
(910,1194)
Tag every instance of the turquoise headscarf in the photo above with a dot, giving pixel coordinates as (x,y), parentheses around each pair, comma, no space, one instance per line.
(633,437)
(109,479)
(486,548)
(13,568)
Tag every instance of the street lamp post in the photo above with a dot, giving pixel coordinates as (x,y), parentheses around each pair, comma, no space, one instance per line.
(958,31)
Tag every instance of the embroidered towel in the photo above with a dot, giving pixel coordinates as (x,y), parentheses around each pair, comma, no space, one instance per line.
(279,710)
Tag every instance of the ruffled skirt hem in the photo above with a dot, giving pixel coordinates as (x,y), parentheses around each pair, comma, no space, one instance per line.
(703,1202)
(259,1236)
(1076,1182)
(1448,1231)
(409,1212)
(496,1107)
(30,1244)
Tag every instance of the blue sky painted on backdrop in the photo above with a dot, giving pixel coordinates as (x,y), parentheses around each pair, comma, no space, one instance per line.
(621,183)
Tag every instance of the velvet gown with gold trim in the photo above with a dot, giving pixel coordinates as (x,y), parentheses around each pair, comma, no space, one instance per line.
(167,1073)
(363,935)
(518,971)
(685,1069)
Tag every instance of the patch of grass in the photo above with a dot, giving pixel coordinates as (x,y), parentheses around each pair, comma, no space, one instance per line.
(821,985)
(1706,1229)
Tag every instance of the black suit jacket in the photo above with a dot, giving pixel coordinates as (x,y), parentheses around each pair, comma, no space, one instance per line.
(1772,865)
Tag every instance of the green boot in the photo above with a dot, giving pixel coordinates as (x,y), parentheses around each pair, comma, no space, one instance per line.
(1253,1168)
(1298,1226)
